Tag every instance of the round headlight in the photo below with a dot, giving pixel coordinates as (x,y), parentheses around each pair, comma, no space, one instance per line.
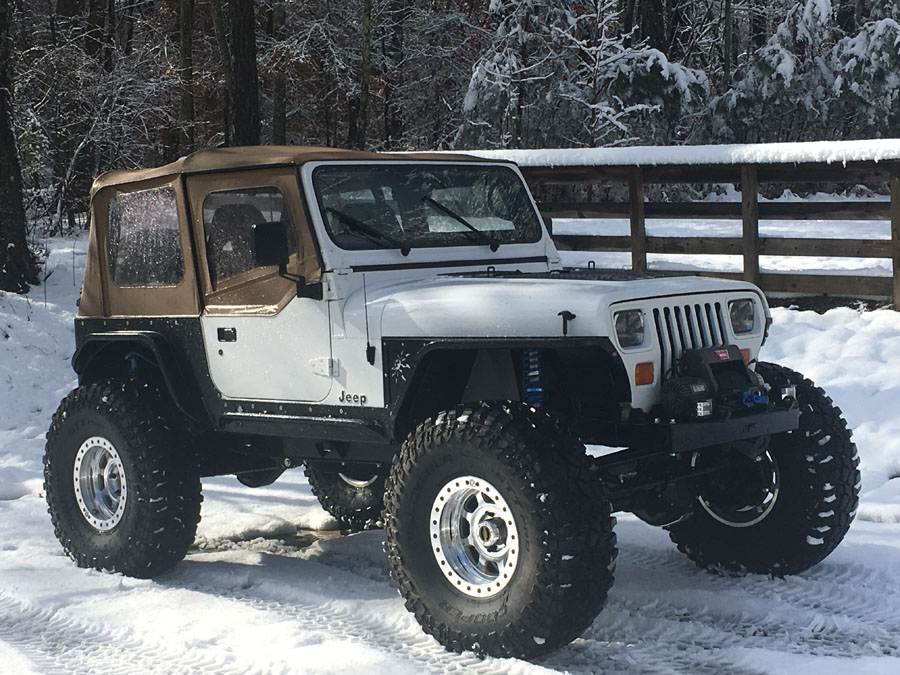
(630,328)
(743,316)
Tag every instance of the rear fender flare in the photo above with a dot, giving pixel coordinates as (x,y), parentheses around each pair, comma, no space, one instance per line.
(175,375)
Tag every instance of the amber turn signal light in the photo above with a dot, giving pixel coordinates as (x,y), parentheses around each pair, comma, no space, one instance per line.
(746,354)
(643,373)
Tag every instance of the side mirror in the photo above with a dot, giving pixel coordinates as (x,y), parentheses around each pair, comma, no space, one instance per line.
(270,244)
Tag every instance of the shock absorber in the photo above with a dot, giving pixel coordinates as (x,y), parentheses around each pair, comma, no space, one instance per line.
(533,392)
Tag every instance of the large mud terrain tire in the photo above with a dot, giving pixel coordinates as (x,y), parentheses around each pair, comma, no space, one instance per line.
(354,499)
(809,508)
(123,488)
(497,532)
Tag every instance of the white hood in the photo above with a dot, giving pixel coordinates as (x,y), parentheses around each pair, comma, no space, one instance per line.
(505,307)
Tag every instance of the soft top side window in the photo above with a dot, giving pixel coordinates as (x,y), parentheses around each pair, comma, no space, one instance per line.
(144,238)
(228,220)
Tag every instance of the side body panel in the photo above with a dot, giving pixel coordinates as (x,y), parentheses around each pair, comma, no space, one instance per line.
(262,342)
(282,357)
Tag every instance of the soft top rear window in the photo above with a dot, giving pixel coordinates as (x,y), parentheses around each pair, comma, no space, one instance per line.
(407,206)
(145,239)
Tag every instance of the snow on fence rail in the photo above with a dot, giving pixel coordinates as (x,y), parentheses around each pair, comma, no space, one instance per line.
(839,162)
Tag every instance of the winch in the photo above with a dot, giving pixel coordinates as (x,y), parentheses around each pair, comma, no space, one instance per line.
(713,382)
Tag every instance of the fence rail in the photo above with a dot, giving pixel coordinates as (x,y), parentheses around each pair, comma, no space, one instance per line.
(750,245)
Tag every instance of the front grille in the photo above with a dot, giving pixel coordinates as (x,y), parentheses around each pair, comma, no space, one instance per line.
(683,327)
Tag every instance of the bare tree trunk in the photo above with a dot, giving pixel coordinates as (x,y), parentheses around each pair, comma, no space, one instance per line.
(238,58)
(393,47)
(626,7)
(126,29)
(758,23)
(67,8)
(359,108)
(653,23)
(94,22)
(279,81)
(847,15)
(728,44)
(186,75)
(17,265)
(109,48)
(245,92)
(521,93)
(218,21)
(676,29)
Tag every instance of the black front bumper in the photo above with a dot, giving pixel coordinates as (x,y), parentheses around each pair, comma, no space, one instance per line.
(678,437)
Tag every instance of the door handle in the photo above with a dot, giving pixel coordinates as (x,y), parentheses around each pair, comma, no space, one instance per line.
(226,334)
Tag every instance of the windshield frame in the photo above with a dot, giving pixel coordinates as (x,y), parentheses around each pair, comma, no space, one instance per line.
(461,242)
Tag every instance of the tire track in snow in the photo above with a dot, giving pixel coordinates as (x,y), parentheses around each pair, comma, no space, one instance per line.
(839,610)
(55,643)
(407,644)
(798,615)
(832,611)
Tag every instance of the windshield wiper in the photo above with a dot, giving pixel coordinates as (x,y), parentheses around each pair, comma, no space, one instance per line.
(481,236)
(369,232)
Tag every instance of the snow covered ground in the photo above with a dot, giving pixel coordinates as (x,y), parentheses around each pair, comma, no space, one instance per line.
(269,587)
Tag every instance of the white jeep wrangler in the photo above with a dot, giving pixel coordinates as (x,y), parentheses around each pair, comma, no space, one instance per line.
(403,327)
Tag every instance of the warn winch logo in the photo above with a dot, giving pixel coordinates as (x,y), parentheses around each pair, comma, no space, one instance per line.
(722,354)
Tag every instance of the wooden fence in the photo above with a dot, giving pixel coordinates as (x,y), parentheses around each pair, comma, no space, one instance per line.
(750,245)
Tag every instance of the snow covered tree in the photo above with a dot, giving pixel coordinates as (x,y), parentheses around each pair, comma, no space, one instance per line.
(512,92)
(563,74)
(667,102)
(597,60)
(112,84)
(96,108)
(784,93)
(612,86)
(878,9)
(867,82)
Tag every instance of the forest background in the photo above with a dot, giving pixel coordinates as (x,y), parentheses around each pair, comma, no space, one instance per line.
(91,85)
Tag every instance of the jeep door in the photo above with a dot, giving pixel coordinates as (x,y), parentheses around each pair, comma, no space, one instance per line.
(262,341)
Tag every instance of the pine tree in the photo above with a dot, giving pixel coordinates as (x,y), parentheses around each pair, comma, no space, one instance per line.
(513,86)
(867,82)
(785,92)
(615,88)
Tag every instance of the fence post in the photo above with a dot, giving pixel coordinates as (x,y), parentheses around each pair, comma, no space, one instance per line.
(895,232)
(638,228)
(750,217)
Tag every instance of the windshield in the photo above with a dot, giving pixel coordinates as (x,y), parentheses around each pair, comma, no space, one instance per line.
(409,206)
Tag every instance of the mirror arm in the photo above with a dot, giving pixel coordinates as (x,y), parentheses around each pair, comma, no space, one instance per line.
(304,290)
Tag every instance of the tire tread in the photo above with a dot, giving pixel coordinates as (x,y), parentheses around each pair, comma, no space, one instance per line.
(576,569)
(832,482)
(165,486)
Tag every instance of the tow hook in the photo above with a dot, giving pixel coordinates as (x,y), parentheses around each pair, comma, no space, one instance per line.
(752,397)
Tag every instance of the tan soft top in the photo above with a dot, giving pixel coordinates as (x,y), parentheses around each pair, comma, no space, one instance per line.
(225,159)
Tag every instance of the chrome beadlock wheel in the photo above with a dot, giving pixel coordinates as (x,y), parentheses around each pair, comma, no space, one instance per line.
(356,482)
(100,486)
(741,509)
(474,537)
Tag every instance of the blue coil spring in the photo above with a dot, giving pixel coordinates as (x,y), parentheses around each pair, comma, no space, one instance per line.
(533,377)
